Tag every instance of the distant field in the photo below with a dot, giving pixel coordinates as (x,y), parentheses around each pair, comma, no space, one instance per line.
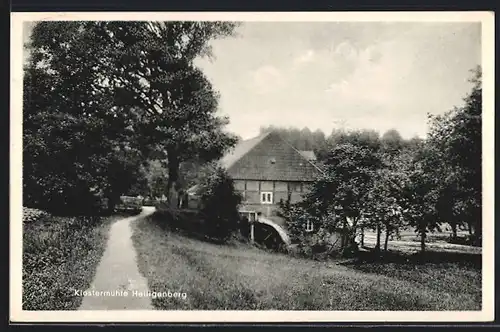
(410,243)
(242,277)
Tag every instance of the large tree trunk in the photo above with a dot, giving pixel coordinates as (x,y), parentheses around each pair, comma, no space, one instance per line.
(173,177)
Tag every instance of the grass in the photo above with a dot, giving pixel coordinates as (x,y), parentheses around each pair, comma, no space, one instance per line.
(61,254)
(240,277)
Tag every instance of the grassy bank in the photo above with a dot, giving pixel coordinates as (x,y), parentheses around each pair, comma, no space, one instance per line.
(229,277)
(61,254)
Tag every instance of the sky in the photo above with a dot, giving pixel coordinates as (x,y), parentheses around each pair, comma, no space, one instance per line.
(352,75)
(326,75)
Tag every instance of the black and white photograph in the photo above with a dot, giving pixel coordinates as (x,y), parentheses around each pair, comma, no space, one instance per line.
(230,167)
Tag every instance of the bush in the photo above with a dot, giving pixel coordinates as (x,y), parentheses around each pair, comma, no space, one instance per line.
(323,241)
(219,205)
(60,255)
(62,199)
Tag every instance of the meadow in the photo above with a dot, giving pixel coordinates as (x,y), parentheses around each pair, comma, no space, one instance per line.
(242,277)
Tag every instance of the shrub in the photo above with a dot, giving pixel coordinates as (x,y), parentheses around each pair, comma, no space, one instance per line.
(60,255)
(324,240)
(219,205)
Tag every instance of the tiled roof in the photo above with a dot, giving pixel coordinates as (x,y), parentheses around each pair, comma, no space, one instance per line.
(240,150)
(269,157)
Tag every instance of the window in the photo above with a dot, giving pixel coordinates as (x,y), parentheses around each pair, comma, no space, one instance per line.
(266,197)
(309,226)
(250,216)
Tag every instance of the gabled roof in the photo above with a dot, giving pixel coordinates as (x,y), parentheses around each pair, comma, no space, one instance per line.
(269,157)
(241,148)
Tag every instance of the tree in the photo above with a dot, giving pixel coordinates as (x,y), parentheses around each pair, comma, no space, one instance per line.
(456,139)
(319,140)
(384,204)
(306,136)
(145,71)
(419,195)
(301,139)
(366,138)
(156,175)
(71,153)
(341,195)
(386,192)
(219,204)
(392,142)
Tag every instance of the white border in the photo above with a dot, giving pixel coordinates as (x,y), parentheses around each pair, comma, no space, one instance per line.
(488,56)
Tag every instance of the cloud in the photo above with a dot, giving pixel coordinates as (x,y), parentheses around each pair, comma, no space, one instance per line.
(369,75)
(266,79)
(305,57)
(379,77)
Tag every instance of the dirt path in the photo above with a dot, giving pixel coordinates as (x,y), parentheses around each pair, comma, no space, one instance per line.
(118,284)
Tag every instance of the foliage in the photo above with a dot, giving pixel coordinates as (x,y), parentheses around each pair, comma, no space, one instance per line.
(388,182)
(385,210)
(420,195)
(103,96)
(323,241)
(456,142)
(386,199)
(72,151)
(219,204)
(339,198)
(156,175)
(363,138)
(296,216)
(60,255)
(343,189)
